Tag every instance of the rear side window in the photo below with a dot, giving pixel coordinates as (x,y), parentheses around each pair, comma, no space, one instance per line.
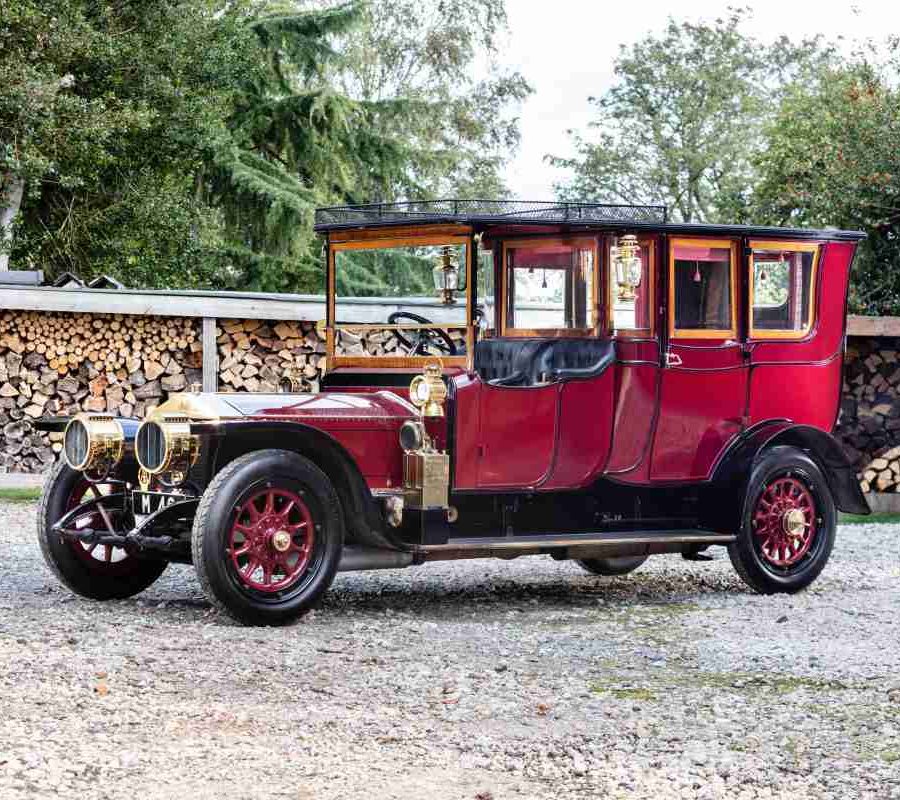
(782,280)
(701,289)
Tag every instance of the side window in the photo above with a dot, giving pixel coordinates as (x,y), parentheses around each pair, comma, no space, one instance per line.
(550,285)
(782,278)
(631,284)
(701,289)
(485,288)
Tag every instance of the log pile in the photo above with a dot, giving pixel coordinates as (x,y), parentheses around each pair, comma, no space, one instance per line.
(869,426)
(61,364)
(375,342)
(260,356)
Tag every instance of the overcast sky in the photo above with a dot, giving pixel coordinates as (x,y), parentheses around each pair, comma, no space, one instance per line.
(566,49)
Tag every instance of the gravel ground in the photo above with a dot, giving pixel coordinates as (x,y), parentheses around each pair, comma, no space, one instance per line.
(480,679)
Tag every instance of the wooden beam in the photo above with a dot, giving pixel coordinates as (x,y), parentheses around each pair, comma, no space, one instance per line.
(218,305)
(873,326)
(210,356)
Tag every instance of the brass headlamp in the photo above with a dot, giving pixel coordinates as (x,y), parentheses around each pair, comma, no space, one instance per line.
(427,392)
(164,444)
(93,444)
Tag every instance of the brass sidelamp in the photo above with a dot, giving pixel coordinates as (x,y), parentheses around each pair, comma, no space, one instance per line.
(627,261)
(426,470)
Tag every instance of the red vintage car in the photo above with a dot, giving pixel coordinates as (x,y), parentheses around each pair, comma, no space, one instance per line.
(591,382)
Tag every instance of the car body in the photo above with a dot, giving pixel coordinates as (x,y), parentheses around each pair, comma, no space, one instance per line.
(592,382)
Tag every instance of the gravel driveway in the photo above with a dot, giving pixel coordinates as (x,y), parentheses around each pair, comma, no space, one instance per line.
(478,679)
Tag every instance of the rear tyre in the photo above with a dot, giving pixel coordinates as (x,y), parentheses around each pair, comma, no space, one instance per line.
(788,523)
(101,572)
(620,565)
(267,537)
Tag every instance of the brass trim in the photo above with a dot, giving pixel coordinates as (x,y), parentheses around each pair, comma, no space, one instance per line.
(105,442)
(765,334)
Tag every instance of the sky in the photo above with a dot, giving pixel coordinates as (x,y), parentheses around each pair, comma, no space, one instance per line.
(566,50)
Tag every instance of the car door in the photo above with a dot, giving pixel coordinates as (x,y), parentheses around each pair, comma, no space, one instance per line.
(703,393)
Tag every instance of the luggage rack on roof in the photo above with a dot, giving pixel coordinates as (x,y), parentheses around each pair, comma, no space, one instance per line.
(486,211)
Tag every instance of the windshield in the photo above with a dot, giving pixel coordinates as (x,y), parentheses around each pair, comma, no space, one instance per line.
(400,297)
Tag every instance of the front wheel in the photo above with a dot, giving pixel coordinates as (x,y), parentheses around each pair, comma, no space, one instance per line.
(267,537)
(788,524)
(98,571)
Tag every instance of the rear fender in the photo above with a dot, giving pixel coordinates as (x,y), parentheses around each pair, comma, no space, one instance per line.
(724,504)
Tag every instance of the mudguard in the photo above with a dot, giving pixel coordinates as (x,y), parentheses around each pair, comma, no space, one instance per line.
(734,468)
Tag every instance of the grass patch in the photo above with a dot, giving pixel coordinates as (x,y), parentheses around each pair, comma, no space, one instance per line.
(20,495)
(890,756)
(626,693)
(857,519)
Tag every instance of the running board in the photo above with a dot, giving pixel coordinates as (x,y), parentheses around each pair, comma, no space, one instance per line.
(667,540)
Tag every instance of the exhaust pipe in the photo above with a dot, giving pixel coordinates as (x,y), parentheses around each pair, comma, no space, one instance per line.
(360,558)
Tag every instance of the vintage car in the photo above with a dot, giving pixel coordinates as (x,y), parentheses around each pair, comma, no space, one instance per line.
(590,382)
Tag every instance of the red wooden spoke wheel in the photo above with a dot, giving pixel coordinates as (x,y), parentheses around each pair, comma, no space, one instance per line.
(103,558)
(784,521)
(271,540)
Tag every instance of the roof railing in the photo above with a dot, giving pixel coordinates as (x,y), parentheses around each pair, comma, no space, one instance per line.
(450,210)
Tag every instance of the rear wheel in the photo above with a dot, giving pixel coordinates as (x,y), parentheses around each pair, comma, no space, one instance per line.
(267,537)
(620,565)
(788,524)
(101,572)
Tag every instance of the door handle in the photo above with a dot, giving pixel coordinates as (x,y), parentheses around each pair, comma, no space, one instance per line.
(673,359)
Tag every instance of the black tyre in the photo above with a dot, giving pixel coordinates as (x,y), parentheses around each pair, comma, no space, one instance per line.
(267,537)
(620,565)
(788,523)
(100,572)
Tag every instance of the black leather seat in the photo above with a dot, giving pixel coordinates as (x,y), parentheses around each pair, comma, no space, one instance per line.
(532,362)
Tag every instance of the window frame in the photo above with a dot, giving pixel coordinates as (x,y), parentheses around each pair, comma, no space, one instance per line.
(769,334)
(402,237)
(704,333)
(574,241)
(649,331)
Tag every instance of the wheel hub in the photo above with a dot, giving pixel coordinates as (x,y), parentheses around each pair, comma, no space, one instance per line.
(784,522)
(271,540)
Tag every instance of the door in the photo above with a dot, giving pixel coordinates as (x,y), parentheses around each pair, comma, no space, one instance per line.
(703,395)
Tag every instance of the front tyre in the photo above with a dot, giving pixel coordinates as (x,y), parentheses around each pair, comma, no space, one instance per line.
(267,537)
(788,524)
(98,571)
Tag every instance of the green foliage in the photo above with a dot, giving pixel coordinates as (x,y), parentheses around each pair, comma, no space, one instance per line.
(188,142)
(833,158)
(683,119)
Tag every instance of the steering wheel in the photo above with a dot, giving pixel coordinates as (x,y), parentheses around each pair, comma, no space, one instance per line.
(422,342)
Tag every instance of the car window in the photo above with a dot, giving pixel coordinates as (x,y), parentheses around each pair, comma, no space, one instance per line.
(782,288)
(550,285)
(631,285)
(702,289)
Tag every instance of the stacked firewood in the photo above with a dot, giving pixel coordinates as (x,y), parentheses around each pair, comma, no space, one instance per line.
(869,426)
(61,364)
(260,356)
(379,342)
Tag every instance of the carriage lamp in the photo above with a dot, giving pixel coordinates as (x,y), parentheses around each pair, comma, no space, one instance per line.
(427,392)
(447,276)
(93,444)
(627,261)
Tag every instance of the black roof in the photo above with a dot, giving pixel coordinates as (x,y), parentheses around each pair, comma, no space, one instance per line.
(486,213)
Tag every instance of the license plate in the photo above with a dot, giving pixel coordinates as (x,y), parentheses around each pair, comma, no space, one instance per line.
(146,503)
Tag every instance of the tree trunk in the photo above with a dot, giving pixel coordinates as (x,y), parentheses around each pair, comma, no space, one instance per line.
(11,191)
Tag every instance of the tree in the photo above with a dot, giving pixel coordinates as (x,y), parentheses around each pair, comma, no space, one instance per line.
(833,158)
(414,61)
(684,118)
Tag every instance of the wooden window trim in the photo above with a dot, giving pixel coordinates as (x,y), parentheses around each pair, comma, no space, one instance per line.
(631,333)
(766,334)
(704,333)
(454,235)
(574,241)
